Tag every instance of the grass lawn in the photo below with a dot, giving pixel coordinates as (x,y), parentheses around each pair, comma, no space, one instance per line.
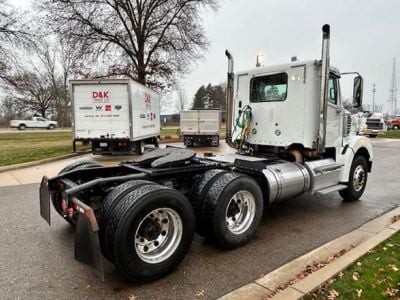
(19,147)
(375,276)
(392,134)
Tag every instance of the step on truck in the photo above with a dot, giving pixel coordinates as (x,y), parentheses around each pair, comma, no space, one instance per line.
(292,136)
(114,115)
(200,126)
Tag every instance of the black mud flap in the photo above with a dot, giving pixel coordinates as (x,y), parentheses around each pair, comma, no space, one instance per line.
(44,196)
(87,248)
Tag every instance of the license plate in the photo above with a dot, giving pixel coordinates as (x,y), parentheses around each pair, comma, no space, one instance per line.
(103,144)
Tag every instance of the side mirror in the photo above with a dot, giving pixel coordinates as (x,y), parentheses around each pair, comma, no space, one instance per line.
(357,91)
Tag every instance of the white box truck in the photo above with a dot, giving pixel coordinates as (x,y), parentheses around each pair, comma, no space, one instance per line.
(114,115)
(200,127)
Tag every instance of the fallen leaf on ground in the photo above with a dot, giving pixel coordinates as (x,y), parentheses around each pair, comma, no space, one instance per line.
(390,292)
(359,264)
(384,248)
(355,276)
(393,267)
(395,219)
(200,293)
(341,274)
(389,245)
(359,292)
(332,294)
(378,258)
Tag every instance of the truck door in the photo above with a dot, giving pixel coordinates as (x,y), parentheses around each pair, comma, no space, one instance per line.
(334,117)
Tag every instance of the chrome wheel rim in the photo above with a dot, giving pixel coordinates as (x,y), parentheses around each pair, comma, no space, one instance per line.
(359,178)
(240,212)
(158,235)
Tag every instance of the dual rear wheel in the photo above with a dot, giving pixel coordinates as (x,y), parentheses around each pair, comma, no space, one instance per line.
(228,207)
(147,231)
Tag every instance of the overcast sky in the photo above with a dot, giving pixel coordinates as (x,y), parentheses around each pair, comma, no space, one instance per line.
(364,38)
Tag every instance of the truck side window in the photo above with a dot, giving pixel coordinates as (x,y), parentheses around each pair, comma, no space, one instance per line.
(332,90)
(269,88)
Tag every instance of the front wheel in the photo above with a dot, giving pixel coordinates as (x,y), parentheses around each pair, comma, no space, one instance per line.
(357,180)
(51,127)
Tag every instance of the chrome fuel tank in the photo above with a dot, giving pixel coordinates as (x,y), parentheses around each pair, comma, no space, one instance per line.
(286,180)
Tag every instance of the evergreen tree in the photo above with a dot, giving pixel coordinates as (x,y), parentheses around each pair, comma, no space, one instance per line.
(210,96)
(199,98)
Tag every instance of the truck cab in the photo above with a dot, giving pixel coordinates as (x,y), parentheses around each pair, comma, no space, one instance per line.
(283,100)
(294,112)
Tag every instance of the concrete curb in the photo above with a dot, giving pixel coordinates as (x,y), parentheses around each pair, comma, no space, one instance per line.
(38,162)
(357,243)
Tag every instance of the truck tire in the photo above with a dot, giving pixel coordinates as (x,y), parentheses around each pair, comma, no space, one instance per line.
(150,232)
(156,142)
(395,127)
(373,135)
(357,180)
(21,127)
(74,165)
(199,192)
(233,209)
(139,147)
(216,144)
(109,203)
(56,197)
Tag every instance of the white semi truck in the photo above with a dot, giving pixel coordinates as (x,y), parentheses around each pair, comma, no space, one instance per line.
(371,124)
(200,126)
(292,136)
(114,115)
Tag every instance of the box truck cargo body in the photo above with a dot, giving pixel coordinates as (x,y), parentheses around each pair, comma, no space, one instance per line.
(115,116)
(200,127)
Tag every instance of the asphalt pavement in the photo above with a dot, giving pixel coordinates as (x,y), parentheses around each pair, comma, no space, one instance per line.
(37,261)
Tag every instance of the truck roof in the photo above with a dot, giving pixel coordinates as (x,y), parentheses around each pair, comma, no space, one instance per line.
(280,67)
(109,81)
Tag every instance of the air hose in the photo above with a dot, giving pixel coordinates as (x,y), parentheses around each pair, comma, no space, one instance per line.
(243,122)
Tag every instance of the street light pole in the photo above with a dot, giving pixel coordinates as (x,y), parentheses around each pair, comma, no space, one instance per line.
(373,97)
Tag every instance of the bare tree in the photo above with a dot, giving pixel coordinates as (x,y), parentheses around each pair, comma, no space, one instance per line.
(378,108)
(149,41)
(48,65)
(12,34)
(9,110)
(181,99)
(31,91)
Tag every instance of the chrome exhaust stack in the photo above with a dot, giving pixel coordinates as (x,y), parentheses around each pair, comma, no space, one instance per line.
(229,100)
(323,103)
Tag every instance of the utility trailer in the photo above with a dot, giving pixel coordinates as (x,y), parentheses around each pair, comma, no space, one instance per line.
(114,115)
(142,214)
(200,126)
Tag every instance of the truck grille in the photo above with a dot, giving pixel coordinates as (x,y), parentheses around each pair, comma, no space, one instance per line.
(374,124)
